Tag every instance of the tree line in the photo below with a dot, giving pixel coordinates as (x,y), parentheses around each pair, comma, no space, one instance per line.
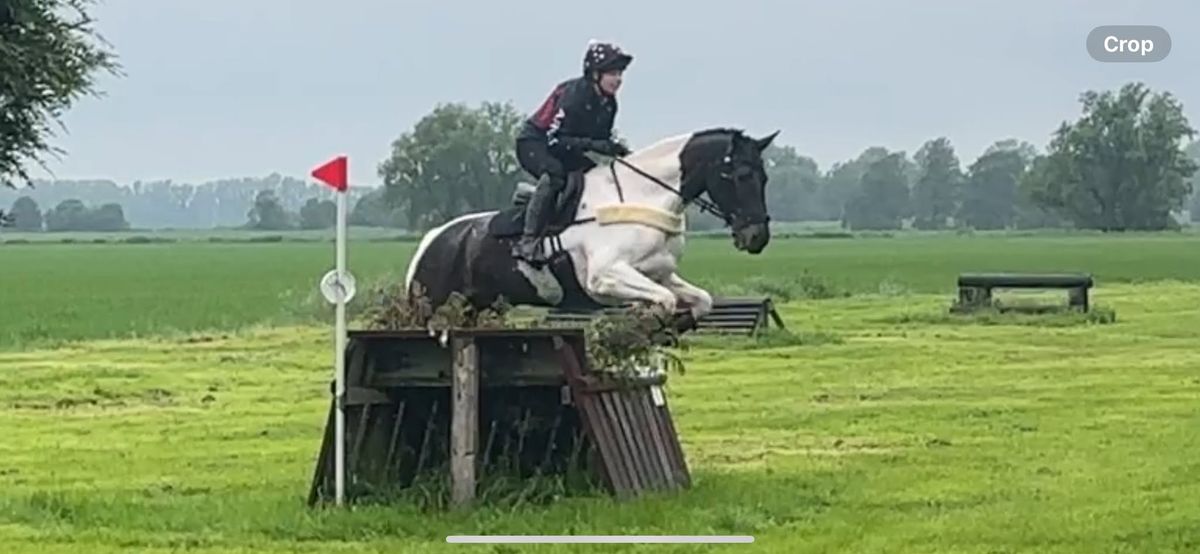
(1122,165)
(68,215)
(272,202)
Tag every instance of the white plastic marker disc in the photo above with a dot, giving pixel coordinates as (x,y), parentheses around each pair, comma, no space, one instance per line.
(334,289)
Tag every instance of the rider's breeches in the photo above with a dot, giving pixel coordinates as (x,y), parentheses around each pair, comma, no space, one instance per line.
(534,157)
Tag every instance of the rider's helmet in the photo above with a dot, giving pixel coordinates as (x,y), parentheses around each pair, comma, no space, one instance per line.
(604,56)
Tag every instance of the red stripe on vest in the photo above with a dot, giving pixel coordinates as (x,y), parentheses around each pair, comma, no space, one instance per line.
(544,115)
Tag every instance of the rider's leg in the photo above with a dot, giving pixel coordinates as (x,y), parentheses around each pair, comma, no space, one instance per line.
(537,215)
(552,180)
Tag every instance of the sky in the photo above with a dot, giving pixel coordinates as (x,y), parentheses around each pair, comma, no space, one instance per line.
(217,89)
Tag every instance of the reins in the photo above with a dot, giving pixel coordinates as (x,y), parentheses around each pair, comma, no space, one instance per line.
(703,203)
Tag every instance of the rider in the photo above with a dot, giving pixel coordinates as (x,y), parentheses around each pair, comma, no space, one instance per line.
(577,117)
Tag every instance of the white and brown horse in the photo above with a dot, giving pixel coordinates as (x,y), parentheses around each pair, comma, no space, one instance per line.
(622,238)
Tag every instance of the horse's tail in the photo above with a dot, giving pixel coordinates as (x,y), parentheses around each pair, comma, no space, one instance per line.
(432,277)
(422,247)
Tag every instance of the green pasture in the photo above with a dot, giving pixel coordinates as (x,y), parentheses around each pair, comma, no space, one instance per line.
(881,426)
(52,292)
(170,396)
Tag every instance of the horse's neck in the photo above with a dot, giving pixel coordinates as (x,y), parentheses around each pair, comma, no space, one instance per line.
(660,160)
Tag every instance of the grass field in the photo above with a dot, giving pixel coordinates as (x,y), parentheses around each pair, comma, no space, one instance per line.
(55,292)
(884,437)
(883,426)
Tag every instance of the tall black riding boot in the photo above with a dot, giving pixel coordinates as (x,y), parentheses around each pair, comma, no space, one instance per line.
(537,214)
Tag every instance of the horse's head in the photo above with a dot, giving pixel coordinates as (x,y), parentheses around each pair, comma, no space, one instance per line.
(728,165)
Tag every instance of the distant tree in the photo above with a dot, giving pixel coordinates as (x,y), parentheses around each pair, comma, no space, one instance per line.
(937,188)
(456,159)
(373,210)
(108,217)
(73,215)
(318,214)
(26,215)
(990,194)
(841,183)
(268,214)
(1121,166)
(1030,214)
(794,182)
(48,59)
(1193,151)
(68,215)
(883,196)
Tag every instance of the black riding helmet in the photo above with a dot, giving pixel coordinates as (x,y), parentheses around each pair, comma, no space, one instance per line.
(604,56)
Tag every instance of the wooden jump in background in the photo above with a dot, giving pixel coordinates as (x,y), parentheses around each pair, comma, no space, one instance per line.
(975,290)
(730,315)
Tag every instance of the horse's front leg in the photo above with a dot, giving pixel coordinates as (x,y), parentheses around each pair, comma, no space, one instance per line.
(699,301)
(621,281)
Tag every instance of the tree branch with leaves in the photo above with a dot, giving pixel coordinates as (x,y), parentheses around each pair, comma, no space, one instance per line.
(50,57)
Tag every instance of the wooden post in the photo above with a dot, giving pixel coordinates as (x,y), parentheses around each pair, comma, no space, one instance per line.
(464,426)
(1078,298)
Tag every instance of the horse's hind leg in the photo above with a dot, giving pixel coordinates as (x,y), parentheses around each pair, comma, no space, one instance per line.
(620,281)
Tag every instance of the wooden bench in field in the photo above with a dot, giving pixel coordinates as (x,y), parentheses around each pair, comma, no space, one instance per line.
(732,315)
(975,289)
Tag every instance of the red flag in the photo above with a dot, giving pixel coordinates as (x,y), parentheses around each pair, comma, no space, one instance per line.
(333,173)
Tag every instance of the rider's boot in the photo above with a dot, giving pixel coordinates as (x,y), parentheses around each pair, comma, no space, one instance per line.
(537,214)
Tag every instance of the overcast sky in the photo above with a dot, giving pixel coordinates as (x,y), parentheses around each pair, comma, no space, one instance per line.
(240,88)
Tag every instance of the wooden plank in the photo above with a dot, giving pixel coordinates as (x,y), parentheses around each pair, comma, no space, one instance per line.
(662,456)
(400,381)
(676,448)
(674,458)
(1025,280)
(738,316)
(357,372)
(322,475)
(596,421)
(390,460)
(775,316)
(637,448)
(464,428)
(748,308)
(360,396)
(642,422)
(623,462)
(740,325)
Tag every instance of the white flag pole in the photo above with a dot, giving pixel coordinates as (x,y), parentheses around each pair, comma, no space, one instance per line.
(338,288)
(340,352)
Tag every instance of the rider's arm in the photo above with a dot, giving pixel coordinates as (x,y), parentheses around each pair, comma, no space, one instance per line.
(558,136)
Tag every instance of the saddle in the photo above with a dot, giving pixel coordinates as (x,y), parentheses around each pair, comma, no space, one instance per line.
(510,222)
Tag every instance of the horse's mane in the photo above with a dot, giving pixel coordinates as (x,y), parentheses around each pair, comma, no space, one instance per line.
(734,132)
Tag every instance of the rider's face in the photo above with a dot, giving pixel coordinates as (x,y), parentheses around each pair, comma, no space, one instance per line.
(611,81)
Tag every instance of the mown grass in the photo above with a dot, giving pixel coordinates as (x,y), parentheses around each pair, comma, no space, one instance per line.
(56,292)
(894,430)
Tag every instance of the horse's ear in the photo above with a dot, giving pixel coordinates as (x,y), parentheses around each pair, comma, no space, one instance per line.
(764,142)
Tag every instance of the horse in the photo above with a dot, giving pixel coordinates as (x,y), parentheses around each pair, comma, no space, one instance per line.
(618,239)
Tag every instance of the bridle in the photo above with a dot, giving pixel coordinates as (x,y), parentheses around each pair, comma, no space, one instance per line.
(704,204)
